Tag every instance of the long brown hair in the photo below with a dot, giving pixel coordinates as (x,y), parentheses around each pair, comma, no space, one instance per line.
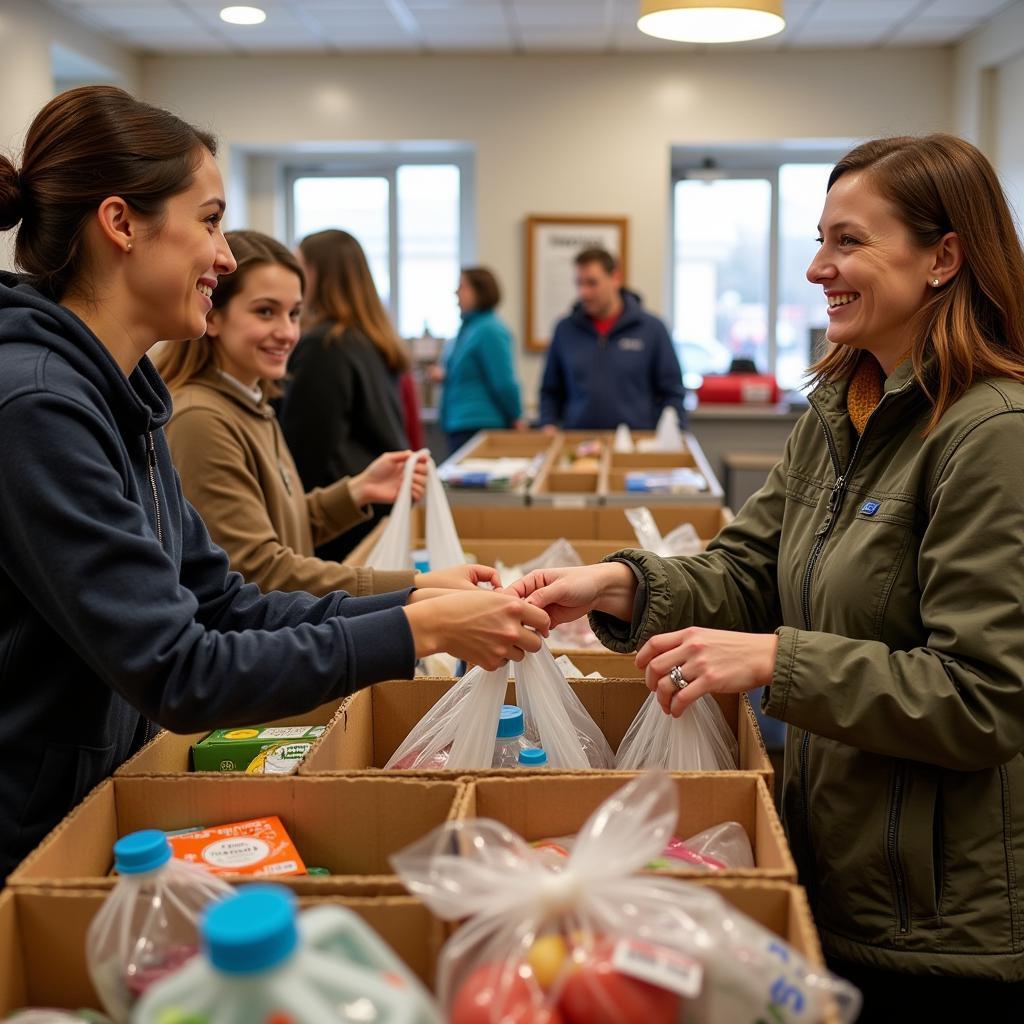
(343,294)
(180,362)
(85,145)
(974,326)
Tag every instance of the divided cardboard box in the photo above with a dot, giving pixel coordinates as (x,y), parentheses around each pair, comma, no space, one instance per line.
(515,534)
(42,935)
(373,722)
(43,942)
(350,826)
(171,754)
(536,807)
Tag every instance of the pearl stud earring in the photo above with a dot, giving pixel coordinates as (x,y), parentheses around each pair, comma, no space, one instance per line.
(936,282)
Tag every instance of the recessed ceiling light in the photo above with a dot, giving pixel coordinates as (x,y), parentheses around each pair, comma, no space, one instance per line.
(243,15)
(711,21)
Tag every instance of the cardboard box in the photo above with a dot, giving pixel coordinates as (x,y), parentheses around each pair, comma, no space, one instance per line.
(485,530)
(348,825)
(562,485)
(42,935)
(373,722)
(43,941)
(544,807)
(171,754)
(692,457)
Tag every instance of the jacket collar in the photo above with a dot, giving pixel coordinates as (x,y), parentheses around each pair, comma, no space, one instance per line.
(212,379)
(631,316)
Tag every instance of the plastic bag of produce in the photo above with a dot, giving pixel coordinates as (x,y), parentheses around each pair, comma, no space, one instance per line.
(594,943)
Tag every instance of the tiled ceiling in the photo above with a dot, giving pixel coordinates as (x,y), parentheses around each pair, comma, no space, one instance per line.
(506,26)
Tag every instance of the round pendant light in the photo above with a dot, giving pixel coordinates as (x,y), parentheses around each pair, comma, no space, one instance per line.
(711,21)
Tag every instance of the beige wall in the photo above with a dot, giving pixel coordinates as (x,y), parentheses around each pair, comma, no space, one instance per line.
(1008,122)
(555,134)
(27,31)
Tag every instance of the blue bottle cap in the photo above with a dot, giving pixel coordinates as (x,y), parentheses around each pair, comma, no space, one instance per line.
(535,757)
(251,931)
(141,851)
(510,722)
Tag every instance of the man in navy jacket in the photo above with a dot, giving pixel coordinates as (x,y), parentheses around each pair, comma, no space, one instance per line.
(610,361)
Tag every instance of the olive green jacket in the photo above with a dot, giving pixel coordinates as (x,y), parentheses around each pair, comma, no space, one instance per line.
(893,573)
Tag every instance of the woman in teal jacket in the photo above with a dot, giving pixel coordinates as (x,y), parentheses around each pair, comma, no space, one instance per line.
(481,391)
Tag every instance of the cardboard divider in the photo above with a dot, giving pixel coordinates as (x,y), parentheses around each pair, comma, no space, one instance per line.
(170,753)
(43,942)
(348,825)
(565,486)
(373,723)
(581,526)
(545,807)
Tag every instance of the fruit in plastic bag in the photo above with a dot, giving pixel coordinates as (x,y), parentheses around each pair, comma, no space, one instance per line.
(264,962)
(148,926)
(726,968)
(486,998)
(597,992)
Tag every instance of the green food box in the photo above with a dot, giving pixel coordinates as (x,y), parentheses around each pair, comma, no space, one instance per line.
(256,750)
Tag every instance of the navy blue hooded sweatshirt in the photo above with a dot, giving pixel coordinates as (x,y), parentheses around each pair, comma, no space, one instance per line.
(116,609)
(594,383)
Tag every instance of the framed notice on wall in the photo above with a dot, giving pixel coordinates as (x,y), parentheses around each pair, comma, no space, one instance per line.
(552,244)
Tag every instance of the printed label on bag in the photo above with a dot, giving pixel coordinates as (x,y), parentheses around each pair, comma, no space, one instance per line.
(667,968)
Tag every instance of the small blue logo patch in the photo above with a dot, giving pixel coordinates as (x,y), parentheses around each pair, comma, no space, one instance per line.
(869,508)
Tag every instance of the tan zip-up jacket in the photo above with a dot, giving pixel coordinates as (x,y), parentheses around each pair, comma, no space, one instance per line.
(237,471)
(893,572)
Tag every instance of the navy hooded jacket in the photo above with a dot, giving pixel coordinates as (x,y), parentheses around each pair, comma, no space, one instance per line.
(595,383)
(116,609)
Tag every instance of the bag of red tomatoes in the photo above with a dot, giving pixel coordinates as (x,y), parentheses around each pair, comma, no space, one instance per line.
(593,942)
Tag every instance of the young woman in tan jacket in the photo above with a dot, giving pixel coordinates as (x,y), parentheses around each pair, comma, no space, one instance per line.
(228,448)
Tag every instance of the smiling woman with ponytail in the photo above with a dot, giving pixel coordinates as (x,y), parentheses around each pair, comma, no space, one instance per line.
(116,609)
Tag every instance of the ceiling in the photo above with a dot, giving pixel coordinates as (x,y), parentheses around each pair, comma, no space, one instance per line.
(505,26)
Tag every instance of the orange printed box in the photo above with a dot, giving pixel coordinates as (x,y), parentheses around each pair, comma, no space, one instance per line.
(257,847)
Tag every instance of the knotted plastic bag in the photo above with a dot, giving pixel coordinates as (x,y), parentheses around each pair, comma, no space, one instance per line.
(556,718)
(393,551)
(700,740)
(594,943)
(683,540)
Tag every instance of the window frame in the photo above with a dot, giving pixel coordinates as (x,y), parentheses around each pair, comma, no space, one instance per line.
(385,164)
(747,163)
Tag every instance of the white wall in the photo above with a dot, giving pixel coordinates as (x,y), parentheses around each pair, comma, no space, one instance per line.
(989,91)
(27,31)
(557,134)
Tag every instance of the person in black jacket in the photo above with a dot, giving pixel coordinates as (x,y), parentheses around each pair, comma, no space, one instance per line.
(116,609)
(341,408)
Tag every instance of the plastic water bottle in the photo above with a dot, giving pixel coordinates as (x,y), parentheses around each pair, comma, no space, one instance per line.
(533,757)
(511,737)
(149,925)
(263,962)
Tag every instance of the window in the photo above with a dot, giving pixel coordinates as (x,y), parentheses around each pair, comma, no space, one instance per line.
(743,237)
(409,218)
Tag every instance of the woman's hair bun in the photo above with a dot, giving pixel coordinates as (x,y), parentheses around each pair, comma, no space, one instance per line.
(11,197)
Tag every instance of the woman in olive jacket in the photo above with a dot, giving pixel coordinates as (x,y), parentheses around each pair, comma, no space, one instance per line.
(875,587)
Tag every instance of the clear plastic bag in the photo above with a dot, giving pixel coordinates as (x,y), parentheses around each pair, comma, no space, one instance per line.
(596,944)
(683,540)
(700,740)
(555,718)
(148,926)
(263,962)
(668,437)
(458,732)
(393,551)
(723,847)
